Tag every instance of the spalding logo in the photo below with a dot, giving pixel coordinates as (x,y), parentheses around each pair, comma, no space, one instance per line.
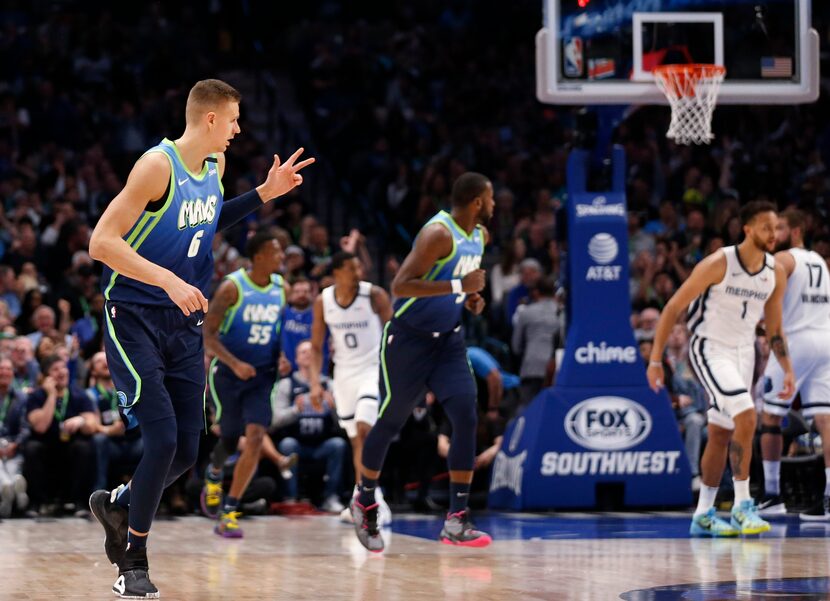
(607,423)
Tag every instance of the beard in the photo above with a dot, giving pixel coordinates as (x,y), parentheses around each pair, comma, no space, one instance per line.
(784,244)
(761,243)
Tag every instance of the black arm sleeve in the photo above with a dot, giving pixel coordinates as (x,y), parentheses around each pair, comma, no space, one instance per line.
(237,208)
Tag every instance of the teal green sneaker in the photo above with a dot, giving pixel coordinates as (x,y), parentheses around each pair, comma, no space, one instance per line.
(708,524)
(746,519)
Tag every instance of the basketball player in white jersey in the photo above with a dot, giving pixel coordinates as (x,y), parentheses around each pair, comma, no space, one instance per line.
(807,327)
(732,289)
(354,312)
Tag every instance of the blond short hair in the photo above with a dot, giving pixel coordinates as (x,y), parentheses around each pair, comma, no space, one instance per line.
(207,94)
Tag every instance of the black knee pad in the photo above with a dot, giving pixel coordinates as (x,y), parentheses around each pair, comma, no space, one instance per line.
(765,429)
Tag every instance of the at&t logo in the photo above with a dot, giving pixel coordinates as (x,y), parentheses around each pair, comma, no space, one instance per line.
(603,249)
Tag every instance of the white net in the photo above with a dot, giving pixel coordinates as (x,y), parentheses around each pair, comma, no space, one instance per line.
(692,91)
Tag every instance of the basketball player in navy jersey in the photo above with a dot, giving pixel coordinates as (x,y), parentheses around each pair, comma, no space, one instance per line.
(423,348)
(155,240)
(242,331)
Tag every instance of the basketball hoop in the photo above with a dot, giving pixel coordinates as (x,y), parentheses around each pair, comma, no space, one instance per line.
(692,91)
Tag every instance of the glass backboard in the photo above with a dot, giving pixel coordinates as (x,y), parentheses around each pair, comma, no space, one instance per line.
(604,51)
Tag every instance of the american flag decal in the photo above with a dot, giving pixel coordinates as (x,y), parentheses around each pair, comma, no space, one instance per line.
(776,66)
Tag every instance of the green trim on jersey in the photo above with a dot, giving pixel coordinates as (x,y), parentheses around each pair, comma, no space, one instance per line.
(216,401)
(280,281)
(433,272)
(253,285)
(219,176)
(126,359)
(384,371)
(149,220)
(200,176)
(457,227)
(231,311)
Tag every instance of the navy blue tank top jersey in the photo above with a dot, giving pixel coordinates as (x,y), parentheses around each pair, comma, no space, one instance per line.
(251,328)
(178,236)
(443,313)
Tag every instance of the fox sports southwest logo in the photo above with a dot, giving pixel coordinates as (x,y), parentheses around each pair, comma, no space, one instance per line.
(608,423)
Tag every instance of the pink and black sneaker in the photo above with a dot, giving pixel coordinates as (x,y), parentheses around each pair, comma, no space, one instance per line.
(366,525)
(459,530)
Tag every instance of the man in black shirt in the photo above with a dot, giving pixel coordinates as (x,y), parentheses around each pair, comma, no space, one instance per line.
(59,458)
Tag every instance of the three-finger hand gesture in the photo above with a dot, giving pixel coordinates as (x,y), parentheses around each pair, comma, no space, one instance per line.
(283,177)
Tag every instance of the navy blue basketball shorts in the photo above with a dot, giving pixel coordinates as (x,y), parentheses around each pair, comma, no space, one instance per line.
(241,402)
(412,362)
(156,358)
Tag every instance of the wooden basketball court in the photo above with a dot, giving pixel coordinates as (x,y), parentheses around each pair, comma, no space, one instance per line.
(534,557)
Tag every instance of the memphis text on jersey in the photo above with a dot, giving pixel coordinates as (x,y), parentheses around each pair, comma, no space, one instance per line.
(197,212)
(349,325)
(745,293)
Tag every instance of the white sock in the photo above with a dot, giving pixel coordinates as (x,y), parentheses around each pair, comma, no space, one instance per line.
(772,471)
(827,481)
(706,500)
(741,490)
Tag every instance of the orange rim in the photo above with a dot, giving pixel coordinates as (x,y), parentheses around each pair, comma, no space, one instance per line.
(681,80)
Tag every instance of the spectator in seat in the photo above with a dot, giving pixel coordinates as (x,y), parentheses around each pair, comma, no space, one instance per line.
(59,455)
(505,274)
(113,442)
(26,369)
(318,253)
(533,333)
(14,431)
(530,272)
(294,263)
(497,381)
(296,323)
(489,434)
(311,432)
(44,321)
(689,401)
(9,291)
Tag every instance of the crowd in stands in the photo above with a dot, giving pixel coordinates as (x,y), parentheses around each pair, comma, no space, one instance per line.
(82,96)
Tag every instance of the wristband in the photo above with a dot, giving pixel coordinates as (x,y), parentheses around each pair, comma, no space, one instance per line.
(655,363)
(457,288)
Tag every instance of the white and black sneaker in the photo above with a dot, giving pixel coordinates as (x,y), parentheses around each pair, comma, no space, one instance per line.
(820,512)
(114,519)
(134,577)
(771,505)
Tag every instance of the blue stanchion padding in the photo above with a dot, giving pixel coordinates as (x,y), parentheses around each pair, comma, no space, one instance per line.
(568,441)
(601,423)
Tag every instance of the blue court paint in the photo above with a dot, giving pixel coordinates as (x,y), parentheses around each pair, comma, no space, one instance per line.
(792,589)
(518,526)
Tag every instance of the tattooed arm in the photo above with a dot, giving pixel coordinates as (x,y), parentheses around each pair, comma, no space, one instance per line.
(775,333)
